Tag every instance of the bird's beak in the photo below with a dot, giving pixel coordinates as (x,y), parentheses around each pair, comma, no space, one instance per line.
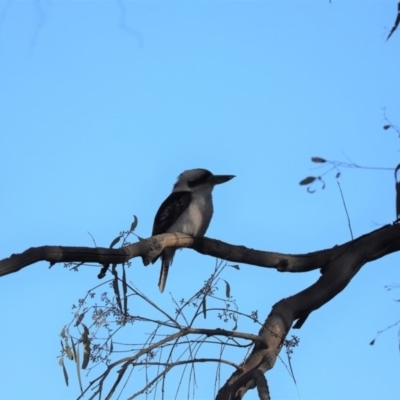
(217,179)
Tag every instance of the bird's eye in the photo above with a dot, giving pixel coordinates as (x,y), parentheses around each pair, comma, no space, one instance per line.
(201,179)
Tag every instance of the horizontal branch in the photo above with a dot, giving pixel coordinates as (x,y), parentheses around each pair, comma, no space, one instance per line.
(149,249)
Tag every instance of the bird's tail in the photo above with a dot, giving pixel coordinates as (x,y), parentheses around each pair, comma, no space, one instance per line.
(166,260)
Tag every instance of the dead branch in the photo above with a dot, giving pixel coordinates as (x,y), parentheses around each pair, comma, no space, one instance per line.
(349,259)
(149,249)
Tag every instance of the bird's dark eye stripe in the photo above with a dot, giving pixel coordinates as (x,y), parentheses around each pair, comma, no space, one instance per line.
(202,179)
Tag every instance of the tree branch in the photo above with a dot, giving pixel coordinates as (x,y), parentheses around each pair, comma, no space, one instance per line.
(348,259)
(338,266)
(151,248)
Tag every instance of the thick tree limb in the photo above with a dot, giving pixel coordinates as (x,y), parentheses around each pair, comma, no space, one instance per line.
(147,249)
(346,261)
(150,248)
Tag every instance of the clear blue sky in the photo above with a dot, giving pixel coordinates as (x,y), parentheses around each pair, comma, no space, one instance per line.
(104,103)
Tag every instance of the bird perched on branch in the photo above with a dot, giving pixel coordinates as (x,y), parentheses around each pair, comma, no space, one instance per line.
(188,209)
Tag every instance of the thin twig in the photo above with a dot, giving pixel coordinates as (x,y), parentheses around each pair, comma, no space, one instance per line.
(95,245)
(348,218)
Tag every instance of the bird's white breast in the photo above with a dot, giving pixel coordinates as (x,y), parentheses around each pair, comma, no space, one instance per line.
(196,218)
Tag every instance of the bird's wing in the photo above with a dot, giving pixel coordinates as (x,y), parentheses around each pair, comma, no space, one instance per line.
(170,210)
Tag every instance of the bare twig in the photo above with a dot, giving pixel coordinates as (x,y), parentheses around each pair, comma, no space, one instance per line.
(348,218)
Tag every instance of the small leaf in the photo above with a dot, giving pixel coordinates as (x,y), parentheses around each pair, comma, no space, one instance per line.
(397,199)
(115,241)
(61,362)
(310,190)
(395,172)
(116,287)
(79,319)
(62,333)
(386,126)
(234,266)
(227,289)
(68,350)
(125,291)
(397,191)
(235,319)
(85,333)
(372,342)
(396,22)
(204,307)
(111,346)
(78,370)
(308,180)
(338,175)
(134,223)
(69,353)
(86,346)
(318,159)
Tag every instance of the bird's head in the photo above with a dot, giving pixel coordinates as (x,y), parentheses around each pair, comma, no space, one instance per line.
(199,179)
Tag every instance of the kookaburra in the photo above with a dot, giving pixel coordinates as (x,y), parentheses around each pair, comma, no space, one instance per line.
(188,209)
